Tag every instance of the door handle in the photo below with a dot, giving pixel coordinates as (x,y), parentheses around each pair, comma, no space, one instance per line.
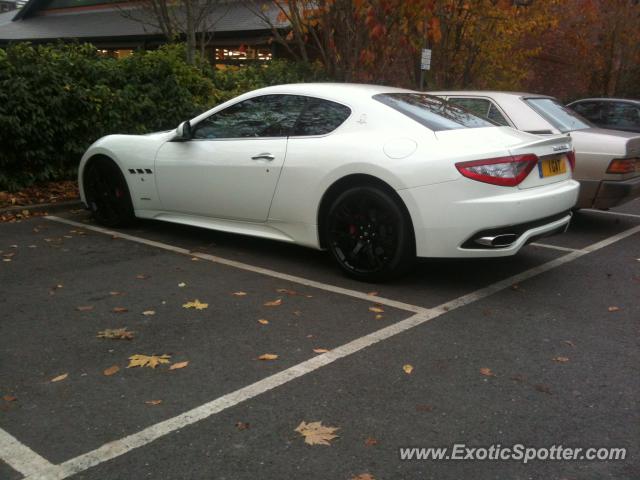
(264,156)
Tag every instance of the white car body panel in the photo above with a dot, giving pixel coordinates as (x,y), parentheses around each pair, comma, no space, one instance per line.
(216,184)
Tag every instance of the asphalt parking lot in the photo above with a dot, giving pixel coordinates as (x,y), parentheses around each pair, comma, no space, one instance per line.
(539,349)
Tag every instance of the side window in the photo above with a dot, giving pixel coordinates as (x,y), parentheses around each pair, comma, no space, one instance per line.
(593,111)
(320,117)
(495,115)
(623,115)
(264,116)
(477,106)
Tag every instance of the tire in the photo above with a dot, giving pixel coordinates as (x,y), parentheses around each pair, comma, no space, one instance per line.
(107,193)
(369,234)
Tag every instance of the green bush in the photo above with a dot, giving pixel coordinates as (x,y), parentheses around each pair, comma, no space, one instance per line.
(55,100)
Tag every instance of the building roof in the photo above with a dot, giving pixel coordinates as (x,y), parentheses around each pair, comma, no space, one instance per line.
(115,22)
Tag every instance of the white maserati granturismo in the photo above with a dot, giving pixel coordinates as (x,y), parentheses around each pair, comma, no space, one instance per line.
(376,175)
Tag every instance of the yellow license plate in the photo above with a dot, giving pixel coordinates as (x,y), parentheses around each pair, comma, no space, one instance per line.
(549,167)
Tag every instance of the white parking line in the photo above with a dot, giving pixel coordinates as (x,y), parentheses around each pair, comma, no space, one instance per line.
(20,457)
(554,247)
(120,447)
(609,212)
(244,266)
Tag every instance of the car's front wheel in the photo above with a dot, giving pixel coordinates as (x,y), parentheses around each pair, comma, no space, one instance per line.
(369,234)
(107,193)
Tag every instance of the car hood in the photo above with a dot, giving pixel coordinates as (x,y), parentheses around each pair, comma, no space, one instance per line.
(601,140)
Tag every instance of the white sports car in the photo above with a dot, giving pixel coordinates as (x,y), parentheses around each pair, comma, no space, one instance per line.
(376,175)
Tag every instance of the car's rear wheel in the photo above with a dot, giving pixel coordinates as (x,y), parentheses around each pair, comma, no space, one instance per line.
(107,193)
(369,234)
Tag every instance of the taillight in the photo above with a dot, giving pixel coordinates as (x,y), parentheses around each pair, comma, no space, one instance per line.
(504,171)
(571,156)
(623,165)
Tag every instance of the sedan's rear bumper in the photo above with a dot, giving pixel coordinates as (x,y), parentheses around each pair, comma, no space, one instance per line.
(612,192)
(449,217)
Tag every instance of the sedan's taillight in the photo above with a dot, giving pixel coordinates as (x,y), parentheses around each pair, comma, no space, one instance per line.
(623,165)
(571,156)
(504,171)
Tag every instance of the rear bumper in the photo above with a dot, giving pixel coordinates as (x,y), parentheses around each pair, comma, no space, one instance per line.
(612,193)
(447,217)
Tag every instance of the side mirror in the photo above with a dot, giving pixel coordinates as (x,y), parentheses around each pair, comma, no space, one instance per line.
(183,132)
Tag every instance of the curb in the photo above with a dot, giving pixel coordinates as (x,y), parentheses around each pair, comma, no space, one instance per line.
(43,207)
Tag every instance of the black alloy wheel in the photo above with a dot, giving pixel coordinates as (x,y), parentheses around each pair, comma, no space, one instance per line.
(107,193)
(369,234)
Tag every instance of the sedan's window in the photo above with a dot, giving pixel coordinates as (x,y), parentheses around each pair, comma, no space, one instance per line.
(320,117)
(432,112)
(592,111)
(481,107)
(264,116)
(623,115)
(496,115)
(558,115)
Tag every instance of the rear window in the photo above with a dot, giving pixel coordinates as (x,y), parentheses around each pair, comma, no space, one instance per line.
(433,112)
(558,115)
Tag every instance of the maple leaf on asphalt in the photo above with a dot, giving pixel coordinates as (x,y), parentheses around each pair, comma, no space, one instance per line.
(320,350)
(151,361)
(268,356)
(614,309)
(196,304)
(242,425)
(487,372)
(120,310)
(85,308)
(561,359)
(263,321)
(116,334)
(148,313)
(407,369)
(240,294)
(376,309)
(363,476)
(111,370)
(59,378)
(315,433)
(273,303)
(153,402)
(179,365)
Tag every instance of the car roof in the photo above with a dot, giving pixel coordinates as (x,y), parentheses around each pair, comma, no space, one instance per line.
(489,93)
(343,91)
(606,99)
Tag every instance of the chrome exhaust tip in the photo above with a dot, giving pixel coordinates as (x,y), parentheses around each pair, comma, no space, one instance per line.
(504,240)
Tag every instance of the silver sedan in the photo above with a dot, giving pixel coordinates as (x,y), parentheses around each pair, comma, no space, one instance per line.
(607,161)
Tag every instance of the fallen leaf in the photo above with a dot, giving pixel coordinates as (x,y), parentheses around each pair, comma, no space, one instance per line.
(424,408)
(111,370)
(407,369)
(113,294)
(614,309)
(268,356)
(142,276)
(320,350)
(119,310)
(153,402)
(363,476)
(487,372)
(370,442)
(376,309)
(151,361)
(85,308)
(297,313)
(148,313)
(518,378)
(6,259)
(287,291)
(9,398)
(569,342)
(515,286)
(273,303)
(315,433)
(179,365)
(378,316)
(240,294)
(116,334)
(263,321)
(182,284)
(541,387)
(561,359)
(242,425)
(373,294)
(195,304)
(59,378)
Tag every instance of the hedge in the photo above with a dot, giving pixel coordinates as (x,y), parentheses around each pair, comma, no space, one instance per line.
(55,100)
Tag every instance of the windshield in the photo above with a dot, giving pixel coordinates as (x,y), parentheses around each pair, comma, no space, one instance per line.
(432,112)
(558,115)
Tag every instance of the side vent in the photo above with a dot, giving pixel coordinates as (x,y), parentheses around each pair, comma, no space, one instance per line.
(131,170)
(148,170)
